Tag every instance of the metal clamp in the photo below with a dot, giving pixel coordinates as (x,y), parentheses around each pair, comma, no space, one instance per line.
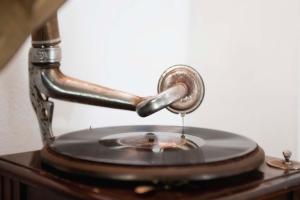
(45,55)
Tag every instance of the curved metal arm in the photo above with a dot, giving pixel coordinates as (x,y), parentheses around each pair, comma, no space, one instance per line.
(55,84)
(46,80)
(49,81)
(162,100)
(46,77)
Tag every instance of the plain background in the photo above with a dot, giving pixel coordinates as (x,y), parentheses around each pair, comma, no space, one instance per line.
(247,52)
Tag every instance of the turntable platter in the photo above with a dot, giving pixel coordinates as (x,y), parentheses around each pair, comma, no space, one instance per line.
(152,145)
(198,154)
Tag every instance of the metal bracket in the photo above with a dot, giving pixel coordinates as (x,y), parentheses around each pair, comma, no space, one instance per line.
(42,107)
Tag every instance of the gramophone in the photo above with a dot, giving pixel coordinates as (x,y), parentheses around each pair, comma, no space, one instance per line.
(146,153)
(150,153)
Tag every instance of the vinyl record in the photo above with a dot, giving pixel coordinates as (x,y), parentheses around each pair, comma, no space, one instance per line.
(153,145)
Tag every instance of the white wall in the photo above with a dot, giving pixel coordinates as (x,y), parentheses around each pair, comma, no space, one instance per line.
(246,52)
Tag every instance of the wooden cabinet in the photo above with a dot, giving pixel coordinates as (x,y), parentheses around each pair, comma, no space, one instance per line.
(23,178)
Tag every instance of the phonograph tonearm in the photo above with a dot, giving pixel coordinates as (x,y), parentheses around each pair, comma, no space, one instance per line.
(180,88)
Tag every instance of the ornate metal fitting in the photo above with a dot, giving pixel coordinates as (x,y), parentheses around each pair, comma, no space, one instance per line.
(45,55)
(42,106)
(285,163)
(38,95)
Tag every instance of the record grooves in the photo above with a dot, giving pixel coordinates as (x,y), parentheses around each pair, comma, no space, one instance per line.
(153,153)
